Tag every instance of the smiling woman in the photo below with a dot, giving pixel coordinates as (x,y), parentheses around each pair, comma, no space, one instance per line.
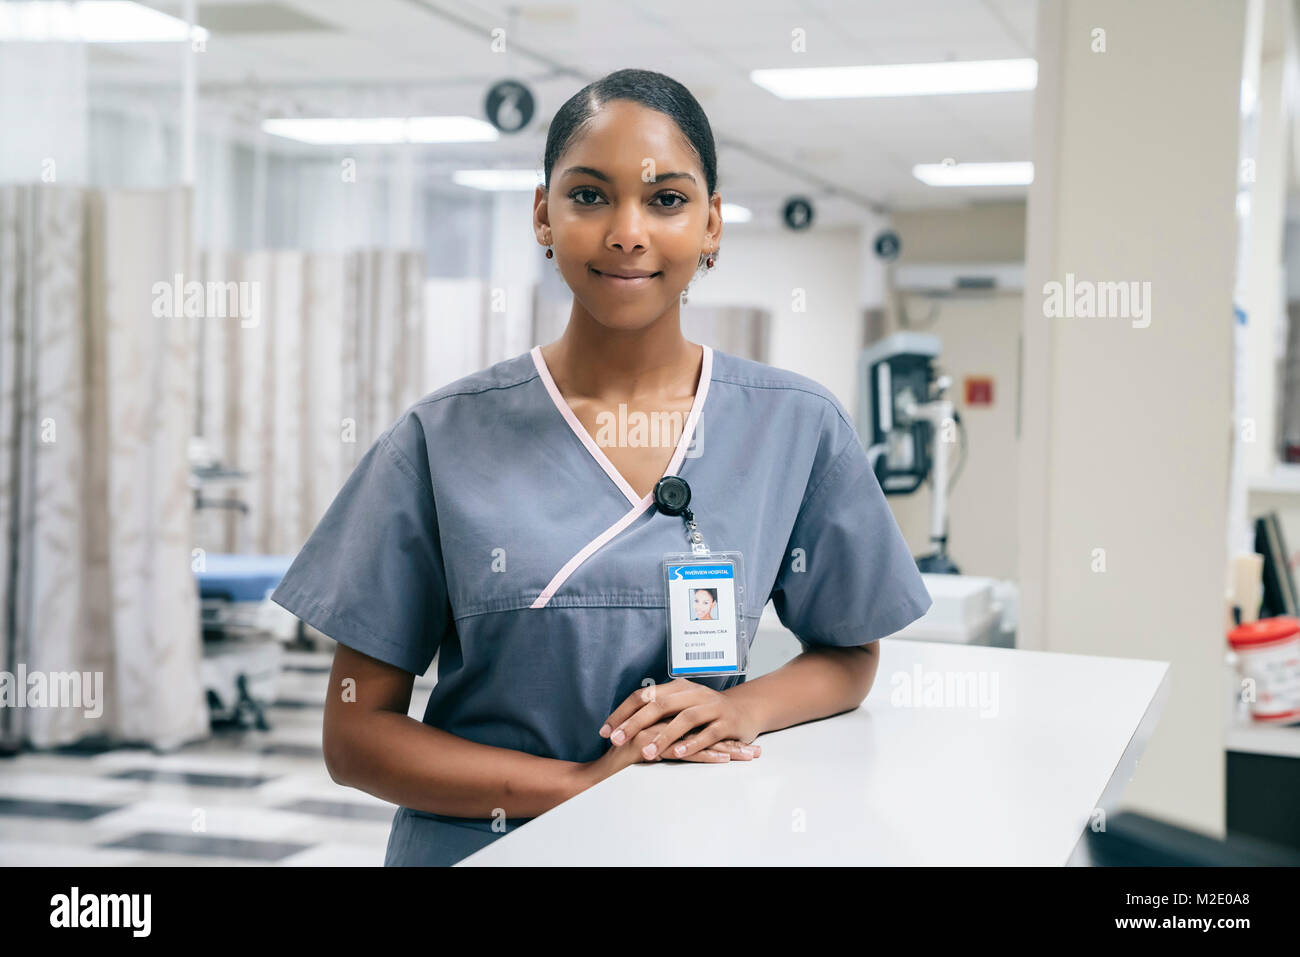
(629,206)
(489,528)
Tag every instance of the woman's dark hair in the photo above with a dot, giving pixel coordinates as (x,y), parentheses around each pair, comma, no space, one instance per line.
(648,88)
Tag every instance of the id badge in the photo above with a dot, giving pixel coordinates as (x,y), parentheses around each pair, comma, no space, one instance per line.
(706,614)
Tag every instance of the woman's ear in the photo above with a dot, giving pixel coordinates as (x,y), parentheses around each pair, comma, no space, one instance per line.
(541,217)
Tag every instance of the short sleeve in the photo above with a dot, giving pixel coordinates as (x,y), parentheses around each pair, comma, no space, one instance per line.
(371,575)
(848,576)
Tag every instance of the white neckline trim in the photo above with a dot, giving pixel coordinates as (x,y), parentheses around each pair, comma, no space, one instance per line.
(598,454)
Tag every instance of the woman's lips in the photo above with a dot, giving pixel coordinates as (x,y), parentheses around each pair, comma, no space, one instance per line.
(618,282)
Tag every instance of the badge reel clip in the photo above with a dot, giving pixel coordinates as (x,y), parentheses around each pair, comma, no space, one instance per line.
(704,597)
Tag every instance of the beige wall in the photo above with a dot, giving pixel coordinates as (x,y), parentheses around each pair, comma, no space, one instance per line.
(981,232)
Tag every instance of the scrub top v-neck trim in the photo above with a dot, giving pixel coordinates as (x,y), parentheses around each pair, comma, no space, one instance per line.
(639,504)
(597,453)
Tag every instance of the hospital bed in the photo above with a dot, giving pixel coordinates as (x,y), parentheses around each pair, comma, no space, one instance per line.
(243,635)
(243,630)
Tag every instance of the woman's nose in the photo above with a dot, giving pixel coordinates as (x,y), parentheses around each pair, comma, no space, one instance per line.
(628,230)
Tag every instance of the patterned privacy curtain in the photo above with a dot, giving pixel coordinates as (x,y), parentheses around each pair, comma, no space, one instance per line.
(294,395)
(95,518)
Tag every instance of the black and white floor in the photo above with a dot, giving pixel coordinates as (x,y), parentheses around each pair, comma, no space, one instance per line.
(238,798)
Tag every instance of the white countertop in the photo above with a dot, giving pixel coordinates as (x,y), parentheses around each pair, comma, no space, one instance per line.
(884,784)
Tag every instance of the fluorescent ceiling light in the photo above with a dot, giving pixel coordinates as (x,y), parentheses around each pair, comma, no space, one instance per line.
(901,79)
(975,174)
(383,130)
(499,180)
(102,21)
(731,213)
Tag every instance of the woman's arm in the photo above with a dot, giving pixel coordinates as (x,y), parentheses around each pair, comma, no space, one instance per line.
(820,682)
(371,743)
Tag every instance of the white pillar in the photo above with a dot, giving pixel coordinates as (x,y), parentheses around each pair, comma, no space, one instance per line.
(1126,421)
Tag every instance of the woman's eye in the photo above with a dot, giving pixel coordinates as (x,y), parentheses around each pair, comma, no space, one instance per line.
(587,191)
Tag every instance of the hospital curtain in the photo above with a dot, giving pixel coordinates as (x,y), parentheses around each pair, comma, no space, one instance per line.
(95,519)
(293,396)
(343,344)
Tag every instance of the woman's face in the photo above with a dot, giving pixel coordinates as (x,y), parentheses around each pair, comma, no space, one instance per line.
(605,219)
(703,605)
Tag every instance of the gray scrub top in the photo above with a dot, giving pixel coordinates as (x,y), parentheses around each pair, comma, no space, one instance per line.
(486,526)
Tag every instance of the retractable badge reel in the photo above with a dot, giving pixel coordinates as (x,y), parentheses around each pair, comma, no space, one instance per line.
(705,596)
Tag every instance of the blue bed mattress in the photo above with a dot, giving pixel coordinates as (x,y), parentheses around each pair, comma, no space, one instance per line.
(241,577)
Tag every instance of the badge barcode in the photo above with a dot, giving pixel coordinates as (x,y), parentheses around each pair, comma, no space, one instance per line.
(704,655)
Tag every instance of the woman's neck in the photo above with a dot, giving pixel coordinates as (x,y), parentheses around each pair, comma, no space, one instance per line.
(592,361)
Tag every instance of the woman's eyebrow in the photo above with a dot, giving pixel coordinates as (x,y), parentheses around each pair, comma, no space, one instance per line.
(597,174)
